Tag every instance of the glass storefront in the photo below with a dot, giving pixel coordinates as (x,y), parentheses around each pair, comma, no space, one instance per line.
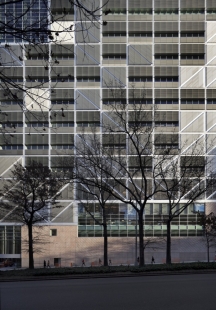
(121,220)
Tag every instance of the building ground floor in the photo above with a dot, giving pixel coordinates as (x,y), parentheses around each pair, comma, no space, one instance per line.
(61,246)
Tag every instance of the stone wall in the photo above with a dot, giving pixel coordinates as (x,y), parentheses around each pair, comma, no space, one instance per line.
(71,249)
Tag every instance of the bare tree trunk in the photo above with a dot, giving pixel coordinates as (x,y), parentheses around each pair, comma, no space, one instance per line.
(208,246)
(168,246)
(30,247)
(105,245)
(141,242)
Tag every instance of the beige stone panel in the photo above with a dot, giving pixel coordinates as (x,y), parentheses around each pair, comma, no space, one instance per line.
(197,125)
(192,143)
(212,85)
(212,62)
(187,117)
(211,144)
(211,32)
(48,247)
(63,213)
(71,249)
(211,121)
(187,72)
(65,36)
(211,54)
(192,77)
(6,164)
(38,99)
(211,76)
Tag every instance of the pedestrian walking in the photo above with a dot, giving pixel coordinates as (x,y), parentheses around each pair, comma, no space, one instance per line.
(83,262)
(110,262)
(100,262)
(44,264)
(138,260)
(48,264)
(153,260)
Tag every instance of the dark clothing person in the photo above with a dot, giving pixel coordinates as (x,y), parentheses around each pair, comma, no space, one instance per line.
(100,263)
(110,262)
(153,260)
(44,264)
(83,262)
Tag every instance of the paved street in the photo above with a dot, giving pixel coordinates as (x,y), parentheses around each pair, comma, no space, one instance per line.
(186,292)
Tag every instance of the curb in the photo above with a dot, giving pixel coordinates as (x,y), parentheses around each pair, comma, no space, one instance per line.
(114,275)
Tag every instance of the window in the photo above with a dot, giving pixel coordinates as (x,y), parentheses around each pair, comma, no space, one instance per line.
(114,146)
(194,56)
(61,124)
(116,11)
(63,79)
(166,56)
(193,11)
(166,34)
(211,11)
(39,56)
(192,34)
(140,11)
(88,124)
(69,101)
(211,101)
(112,101)
(10,102)
(166,146)
(166,124)
(88,79)
(115,56)
(38,147)
(166,11)
(12,147)
(166,101)
(115,34)
(140,78)
(53,232)
(37,124)
(166,79)
(63,147)
(140,34)
(63,56)
(137,124)
(192,101)
(12,125)
(37,79)
(140,101)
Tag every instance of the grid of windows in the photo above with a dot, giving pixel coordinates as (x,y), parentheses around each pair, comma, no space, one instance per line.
(122,221)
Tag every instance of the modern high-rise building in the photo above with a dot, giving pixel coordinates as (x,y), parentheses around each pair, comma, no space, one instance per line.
(166,49)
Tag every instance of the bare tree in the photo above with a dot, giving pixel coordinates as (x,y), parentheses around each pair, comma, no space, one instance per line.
(146,163)
(93,182)
(28,197)
(39,34)
(183,177)
(126,146)
(208,223)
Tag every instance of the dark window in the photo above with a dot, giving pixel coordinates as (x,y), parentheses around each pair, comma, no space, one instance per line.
(166,34)
(53,232)
(166,56)
(166,79)
(192,101)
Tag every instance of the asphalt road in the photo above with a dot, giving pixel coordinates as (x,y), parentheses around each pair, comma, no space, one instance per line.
(185,292)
